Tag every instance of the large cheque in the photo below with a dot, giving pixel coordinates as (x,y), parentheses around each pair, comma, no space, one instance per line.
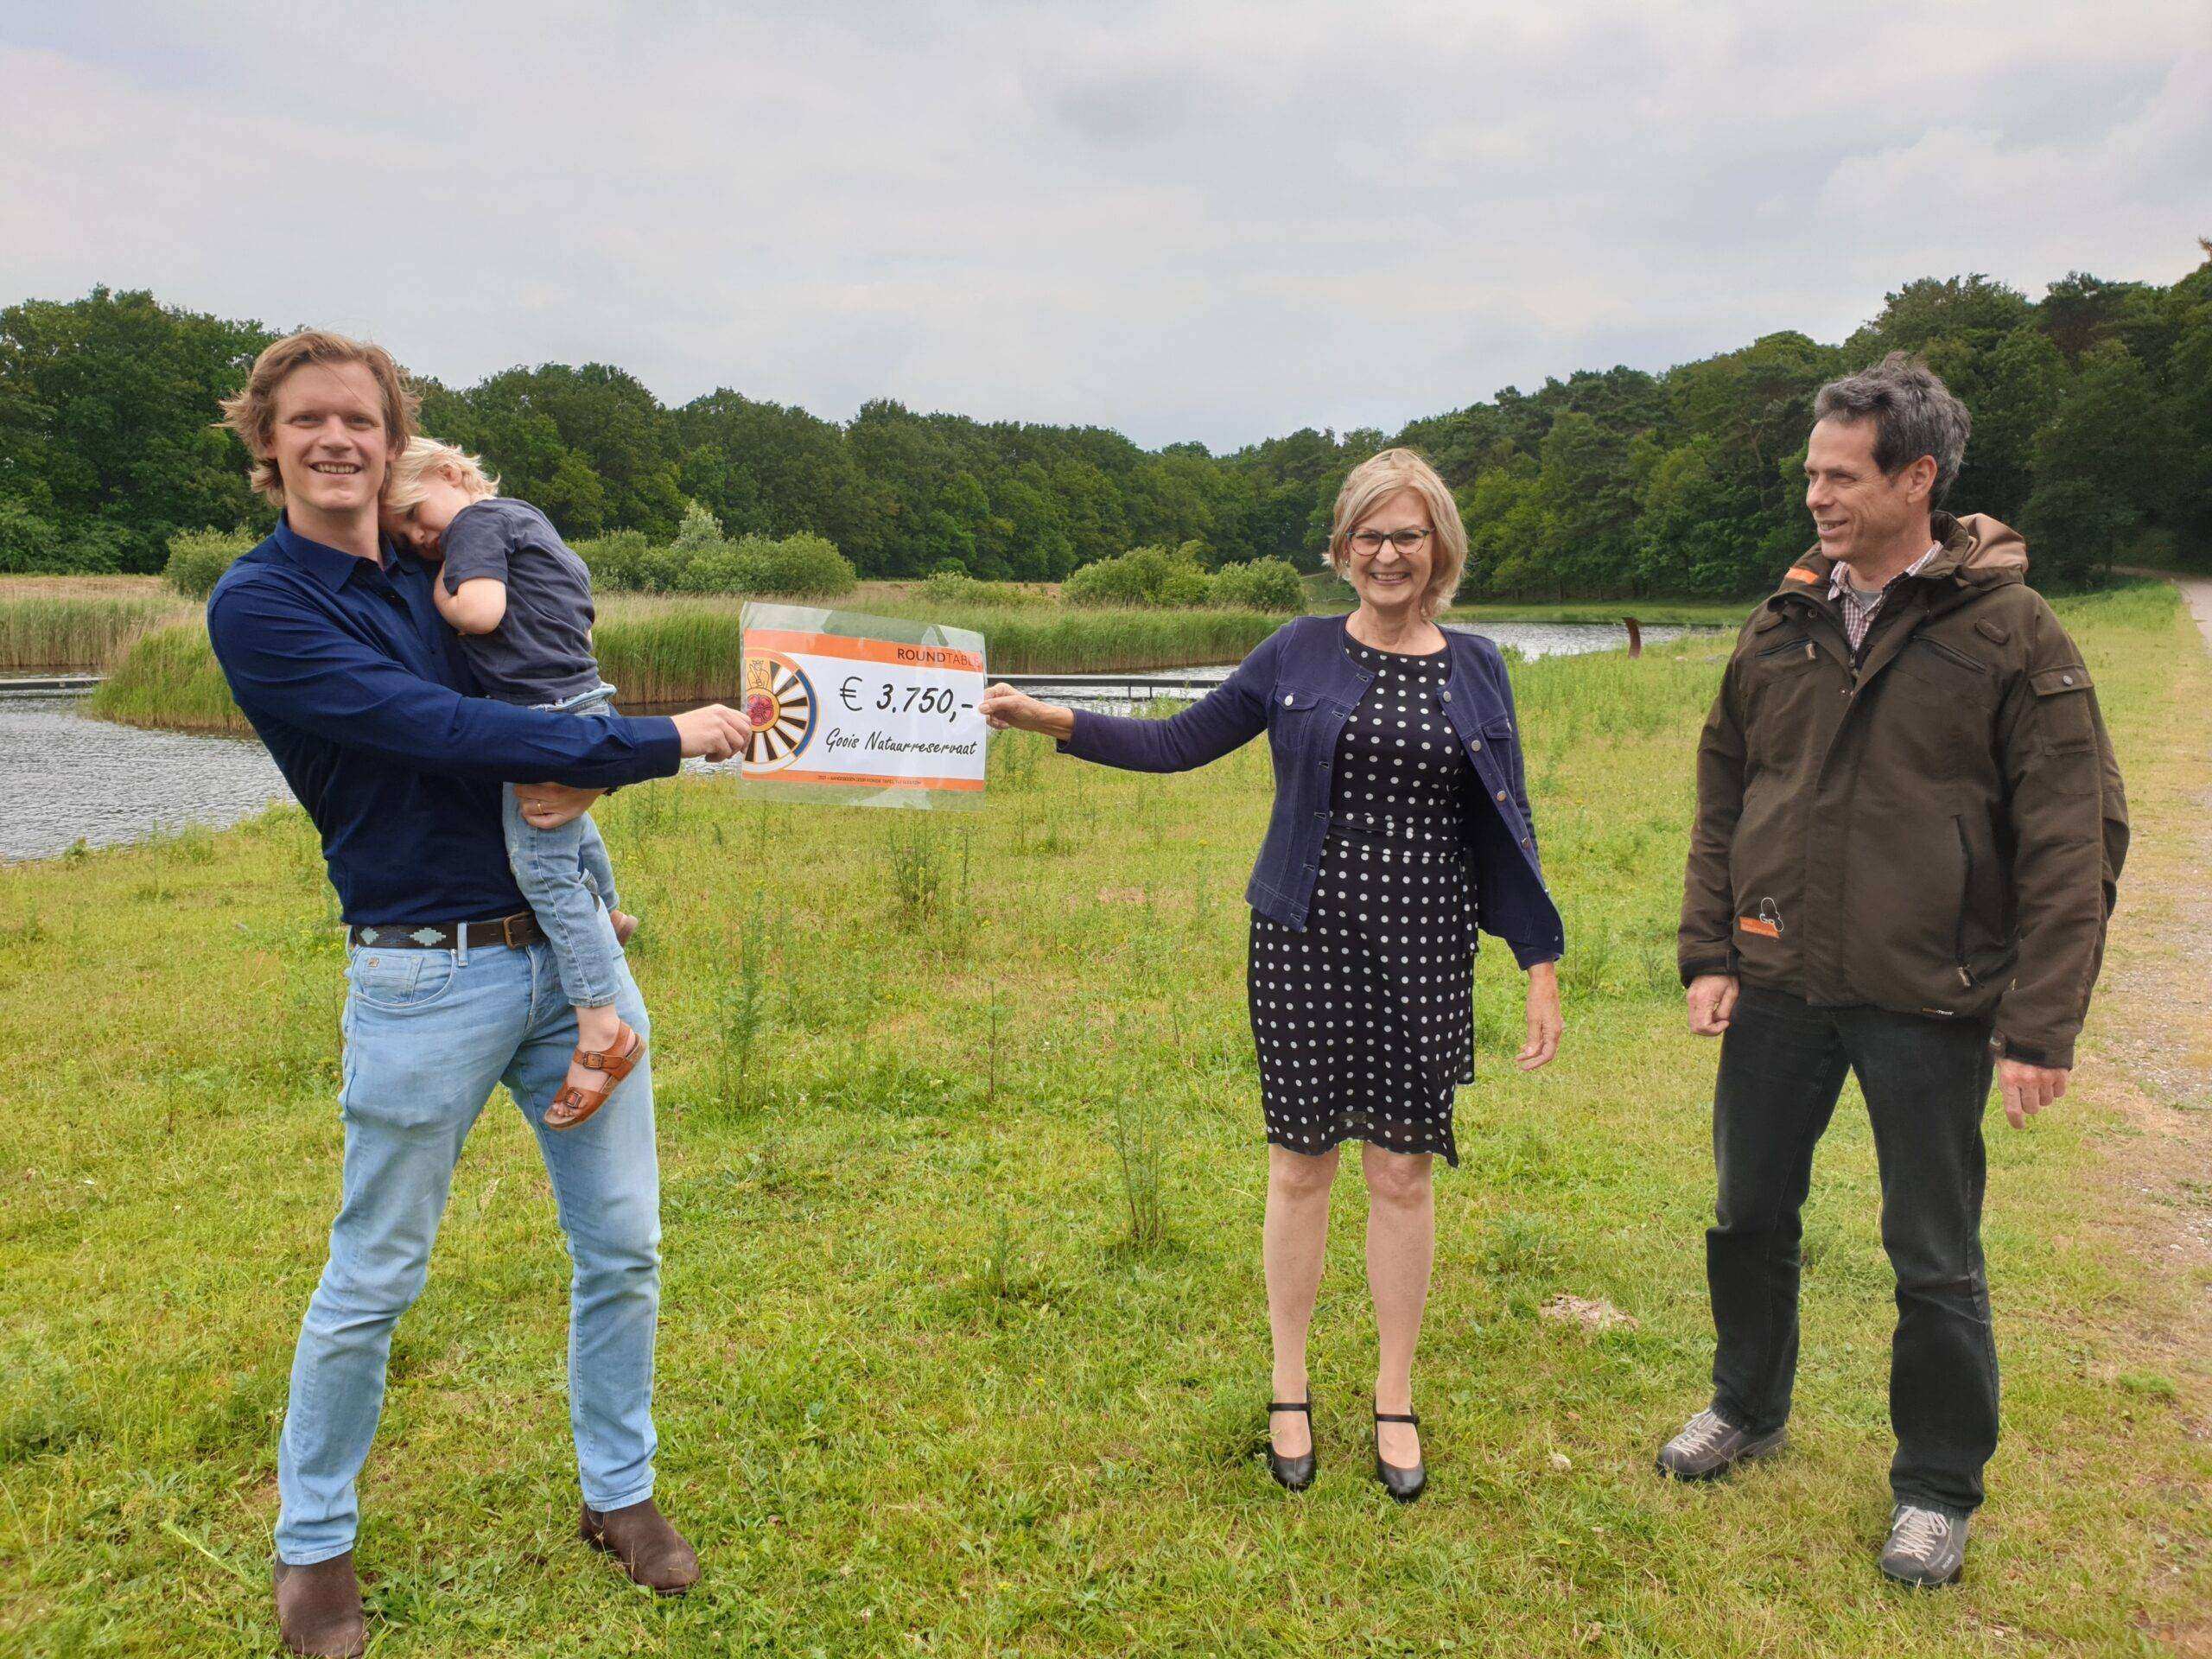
(872,708)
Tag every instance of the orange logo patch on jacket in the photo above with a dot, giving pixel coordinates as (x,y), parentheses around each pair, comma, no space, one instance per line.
(1801,572)
(1759,924)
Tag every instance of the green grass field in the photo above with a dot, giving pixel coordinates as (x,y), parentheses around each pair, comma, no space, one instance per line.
(963,1347)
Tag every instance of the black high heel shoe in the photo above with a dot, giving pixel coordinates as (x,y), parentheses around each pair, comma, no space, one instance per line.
(1296,1474)
(1404,1485)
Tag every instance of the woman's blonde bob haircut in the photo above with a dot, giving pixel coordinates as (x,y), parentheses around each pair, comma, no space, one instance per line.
(1374,481)
(252,412)
(423,456)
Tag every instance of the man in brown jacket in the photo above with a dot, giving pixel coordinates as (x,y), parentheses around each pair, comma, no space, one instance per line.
(1910,831)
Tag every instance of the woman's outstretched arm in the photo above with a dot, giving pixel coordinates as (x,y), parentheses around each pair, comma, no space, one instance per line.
(1231,714)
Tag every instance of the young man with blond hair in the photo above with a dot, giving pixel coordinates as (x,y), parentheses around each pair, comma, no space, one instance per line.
(335,649)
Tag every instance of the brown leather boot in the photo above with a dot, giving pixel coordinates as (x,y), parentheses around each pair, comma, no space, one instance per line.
(319,1608)
(651,1551)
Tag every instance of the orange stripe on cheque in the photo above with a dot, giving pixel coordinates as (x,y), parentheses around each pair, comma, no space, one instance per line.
(795,776)
(846,648)
(1758,924)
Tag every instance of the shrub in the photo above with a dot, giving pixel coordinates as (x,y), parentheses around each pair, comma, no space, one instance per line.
(197,557)
(1172,578)
(28,543)
(618,561)
(97,548)
(700,529)
(958,587)
(1143,575)
(1262,585)
(1184,588)
(805,566)
(715,568)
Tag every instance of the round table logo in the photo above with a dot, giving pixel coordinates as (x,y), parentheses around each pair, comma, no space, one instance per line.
(779,701)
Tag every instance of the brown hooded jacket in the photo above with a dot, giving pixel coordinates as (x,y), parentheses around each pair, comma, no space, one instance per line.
(1936,824)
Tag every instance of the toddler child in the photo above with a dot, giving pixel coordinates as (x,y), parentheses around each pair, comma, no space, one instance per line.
(520,600)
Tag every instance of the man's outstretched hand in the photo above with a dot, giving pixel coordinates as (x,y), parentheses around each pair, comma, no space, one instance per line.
(715,733)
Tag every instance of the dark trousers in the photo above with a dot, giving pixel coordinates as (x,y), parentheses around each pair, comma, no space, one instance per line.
(1926,1082)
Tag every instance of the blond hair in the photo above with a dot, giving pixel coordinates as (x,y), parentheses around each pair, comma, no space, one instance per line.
(1374,481)
(251,413)
(424,455)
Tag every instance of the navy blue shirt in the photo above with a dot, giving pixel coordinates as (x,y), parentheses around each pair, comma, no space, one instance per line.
(360,691)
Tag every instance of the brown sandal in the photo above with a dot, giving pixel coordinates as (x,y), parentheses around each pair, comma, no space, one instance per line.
(573,1105)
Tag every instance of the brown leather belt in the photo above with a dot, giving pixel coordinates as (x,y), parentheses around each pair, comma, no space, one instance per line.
(520,929)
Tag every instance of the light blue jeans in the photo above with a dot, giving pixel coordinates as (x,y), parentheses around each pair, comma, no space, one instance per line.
(427,1034)
(569,881)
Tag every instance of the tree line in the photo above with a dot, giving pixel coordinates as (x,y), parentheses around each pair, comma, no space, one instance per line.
(2092,432)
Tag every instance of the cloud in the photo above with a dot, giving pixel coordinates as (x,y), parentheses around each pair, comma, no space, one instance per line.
(1220,221)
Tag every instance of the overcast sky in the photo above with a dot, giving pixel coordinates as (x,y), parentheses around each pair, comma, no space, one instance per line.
(1201,220)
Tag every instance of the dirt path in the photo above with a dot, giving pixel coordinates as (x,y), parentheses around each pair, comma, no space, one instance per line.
(2198,590)
(2149,1055)
(2166,888)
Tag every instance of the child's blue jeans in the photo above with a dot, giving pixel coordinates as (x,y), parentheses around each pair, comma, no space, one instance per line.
(566,876)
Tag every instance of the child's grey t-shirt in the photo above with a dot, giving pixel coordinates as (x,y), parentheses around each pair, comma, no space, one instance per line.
(541,652)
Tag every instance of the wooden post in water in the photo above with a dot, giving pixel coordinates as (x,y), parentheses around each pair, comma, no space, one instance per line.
(1635,636)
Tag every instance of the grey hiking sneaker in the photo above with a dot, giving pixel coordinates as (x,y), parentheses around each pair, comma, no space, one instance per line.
(1927,1547)
(1710,1444)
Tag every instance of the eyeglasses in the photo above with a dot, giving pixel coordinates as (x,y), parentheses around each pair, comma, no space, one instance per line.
(1369,542)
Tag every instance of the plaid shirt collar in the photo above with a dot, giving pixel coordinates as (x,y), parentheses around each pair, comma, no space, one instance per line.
(1859,609)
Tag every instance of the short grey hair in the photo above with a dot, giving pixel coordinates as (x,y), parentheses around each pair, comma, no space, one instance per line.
(1913,411)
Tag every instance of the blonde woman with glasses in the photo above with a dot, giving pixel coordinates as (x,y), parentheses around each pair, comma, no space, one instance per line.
(1401,828)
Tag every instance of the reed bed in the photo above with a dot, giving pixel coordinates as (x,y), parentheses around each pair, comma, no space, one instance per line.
(55,630)
(673,650)
(169,679)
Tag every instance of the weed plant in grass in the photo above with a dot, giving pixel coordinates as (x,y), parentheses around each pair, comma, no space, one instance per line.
(917,1390)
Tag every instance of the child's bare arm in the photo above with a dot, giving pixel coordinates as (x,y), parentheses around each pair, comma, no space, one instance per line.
(477,609)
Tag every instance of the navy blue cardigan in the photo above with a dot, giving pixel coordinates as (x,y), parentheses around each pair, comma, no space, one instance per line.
(1300,686)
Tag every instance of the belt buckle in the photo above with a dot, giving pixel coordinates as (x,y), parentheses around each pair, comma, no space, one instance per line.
(508,930)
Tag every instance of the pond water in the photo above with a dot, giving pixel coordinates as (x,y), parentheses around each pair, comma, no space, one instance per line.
(1530,639)
(65,777)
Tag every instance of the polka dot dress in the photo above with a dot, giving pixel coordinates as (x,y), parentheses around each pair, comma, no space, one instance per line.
(1364,1021)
